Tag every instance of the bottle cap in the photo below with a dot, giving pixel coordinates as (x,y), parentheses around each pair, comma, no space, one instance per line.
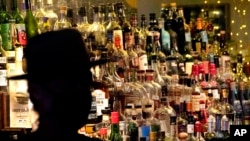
(195,69)
(114,114)
(103,131)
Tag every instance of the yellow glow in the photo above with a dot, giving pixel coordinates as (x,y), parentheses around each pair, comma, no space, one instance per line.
(205,1)
(244,26)
(244,14)
(237,34)
(216,12)
(240,41)
(231,33)
(232,21)
(246,33)
(241,45)
(202,10)
(235,8)
(218,1)
(244,11)
(238,11)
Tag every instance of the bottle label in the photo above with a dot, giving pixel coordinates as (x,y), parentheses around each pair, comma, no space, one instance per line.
(117,38)
(19,34)
(165,38)
(163,126)
(198,47)
(195,103)
(143,62)
(188,67)
(190,128)
(206,66)
(6,36)
(3,80)
(204,37)
(188,36)
(101,101)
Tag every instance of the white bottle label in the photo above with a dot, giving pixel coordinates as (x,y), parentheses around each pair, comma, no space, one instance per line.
(188,67)
(190,128)
(101,101)
(143,62)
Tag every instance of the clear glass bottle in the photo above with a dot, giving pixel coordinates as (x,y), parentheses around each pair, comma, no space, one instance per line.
(97,30)
(83,23)
(40,15)
(51,15)
(164,114)
(62,21)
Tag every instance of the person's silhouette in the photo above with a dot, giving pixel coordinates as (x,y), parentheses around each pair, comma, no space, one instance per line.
(59,81)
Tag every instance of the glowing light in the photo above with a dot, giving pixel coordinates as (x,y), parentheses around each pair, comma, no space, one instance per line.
(238,11)
(246,33)
(218,1)
(240,41)
(244,26)
(205,2)
(232,21)
(235,8)
(216,12)
(241,45)
(237,34)
(231,34)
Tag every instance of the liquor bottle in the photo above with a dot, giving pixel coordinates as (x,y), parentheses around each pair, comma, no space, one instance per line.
(40,14)
(240,75)
(210,134)
(17,26)
(149,50)
(31,26)
(164,114)
(115,134)
(142,55)
(196,36)
(112,27)
(5,27)
(71,17)
(50,14)
(190,128)
(172,133)
(188,59)
(62,21)
(103,134)
(180,30)
(198,130)
(164,37)
(83,22)
(225,57)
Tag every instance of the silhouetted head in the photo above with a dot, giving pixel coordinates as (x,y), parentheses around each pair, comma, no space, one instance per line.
(59,77)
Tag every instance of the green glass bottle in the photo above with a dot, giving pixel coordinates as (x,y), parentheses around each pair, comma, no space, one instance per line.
(5,26)
(31,26)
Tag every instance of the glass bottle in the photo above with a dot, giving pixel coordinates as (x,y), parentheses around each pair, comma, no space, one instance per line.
(103,134)
(190,128)
(5,27)
(198,130)
(17,26)
(31,26)
(83,23)
(142,55)
(62,21)
(164,37)
(210,134)
(164,114)
(115,134)
(51,16)
(40,16)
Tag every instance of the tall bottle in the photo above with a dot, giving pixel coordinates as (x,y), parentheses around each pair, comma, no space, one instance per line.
(30,21)
(115,134)
(5,26)
(50,15)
